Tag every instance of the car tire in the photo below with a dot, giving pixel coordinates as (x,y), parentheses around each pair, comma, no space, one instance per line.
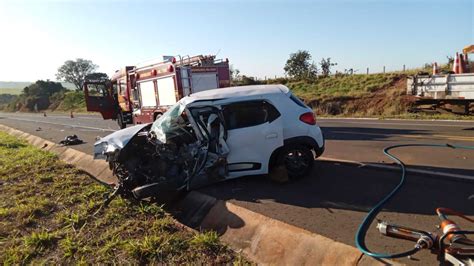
(297,159)
(120,121)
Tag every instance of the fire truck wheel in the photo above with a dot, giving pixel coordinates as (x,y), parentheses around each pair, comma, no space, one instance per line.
(120,121)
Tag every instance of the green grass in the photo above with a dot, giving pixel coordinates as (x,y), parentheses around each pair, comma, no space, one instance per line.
(341,86)
(375,95)
(73,101)
(46,216)
(13,91)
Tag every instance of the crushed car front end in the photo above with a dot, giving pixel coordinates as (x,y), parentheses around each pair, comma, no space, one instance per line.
(180,150)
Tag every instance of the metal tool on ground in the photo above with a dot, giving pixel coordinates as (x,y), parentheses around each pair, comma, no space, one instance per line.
(458,241)
(459,250)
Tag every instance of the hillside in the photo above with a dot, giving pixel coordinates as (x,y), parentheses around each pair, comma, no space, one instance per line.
(11,91)
(360,95)
(16,87)
(375,95)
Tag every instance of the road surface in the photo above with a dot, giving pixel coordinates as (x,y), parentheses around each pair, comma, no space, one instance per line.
(335,197)
(359,140)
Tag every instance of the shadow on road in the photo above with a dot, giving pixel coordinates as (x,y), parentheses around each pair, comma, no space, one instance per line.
(333,185)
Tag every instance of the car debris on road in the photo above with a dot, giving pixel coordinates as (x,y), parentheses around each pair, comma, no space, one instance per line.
(71,140)
(213,136)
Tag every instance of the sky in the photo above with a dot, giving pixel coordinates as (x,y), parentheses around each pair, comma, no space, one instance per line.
(37,37)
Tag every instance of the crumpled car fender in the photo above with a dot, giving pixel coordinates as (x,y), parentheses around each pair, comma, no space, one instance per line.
(116,141)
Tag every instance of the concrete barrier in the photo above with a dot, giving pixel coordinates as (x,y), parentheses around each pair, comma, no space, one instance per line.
(262,239)
(269,241)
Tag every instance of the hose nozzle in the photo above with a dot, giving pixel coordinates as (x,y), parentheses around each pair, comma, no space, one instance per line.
(423,239)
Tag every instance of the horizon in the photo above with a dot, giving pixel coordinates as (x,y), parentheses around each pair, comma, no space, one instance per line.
(257,37)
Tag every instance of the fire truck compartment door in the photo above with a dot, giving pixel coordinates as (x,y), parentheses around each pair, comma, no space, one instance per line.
(204,81)
(147,94)
(166,91)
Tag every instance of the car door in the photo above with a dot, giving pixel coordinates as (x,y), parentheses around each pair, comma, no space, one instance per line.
(254,131)
(99,98)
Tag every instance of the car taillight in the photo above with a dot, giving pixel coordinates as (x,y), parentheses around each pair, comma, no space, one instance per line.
(308,118)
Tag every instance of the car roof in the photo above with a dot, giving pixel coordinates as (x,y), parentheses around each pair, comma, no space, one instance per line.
(236,92)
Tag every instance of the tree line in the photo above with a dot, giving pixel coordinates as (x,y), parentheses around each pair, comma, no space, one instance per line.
(299,66)
(48,94)
(44,94)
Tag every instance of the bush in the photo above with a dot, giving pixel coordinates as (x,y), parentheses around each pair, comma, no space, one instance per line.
(73,100)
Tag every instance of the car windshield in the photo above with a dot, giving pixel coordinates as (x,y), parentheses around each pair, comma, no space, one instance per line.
(170,123)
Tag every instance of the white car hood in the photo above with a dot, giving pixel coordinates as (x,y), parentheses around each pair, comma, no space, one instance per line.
(115,141)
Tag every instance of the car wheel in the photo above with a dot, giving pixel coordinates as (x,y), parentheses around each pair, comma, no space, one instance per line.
(297,159)
(120,121)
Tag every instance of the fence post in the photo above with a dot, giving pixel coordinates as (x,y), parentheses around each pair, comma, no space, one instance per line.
(367,71)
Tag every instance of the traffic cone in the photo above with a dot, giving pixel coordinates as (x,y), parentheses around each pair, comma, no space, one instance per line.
(435,68)
(461,64)
(468,66)
(72,115)
(456,64)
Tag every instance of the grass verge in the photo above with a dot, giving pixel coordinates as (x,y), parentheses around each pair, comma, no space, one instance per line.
(46,216)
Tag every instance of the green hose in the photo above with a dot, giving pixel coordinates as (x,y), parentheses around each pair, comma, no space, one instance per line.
(364,226)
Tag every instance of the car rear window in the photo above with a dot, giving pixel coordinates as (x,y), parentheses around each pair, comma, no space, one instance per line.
(248,114)
(297,101)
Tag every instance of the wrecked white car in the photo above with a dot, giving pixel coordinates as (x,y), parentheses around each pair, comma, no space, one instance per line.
(212,136)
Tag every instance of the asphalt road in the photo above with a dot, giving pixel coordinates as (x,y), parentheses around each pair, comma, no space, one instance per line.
(335,197)
(359,140)
(333,200)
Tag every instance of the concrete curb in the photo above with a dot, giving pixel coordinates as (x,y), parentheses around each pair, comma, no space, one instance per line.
(262,239)
(266,240)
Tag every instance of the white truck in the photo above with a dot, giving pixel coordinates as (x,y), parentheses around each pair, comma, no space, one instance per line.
(443,88)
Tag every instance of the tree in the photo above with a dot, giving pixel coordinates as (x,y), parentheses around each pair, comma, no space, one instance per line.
(76,71)
(43,88)
(248,81)
(37,96)
(326,66)
(299,65)
(234,73)
(97,76)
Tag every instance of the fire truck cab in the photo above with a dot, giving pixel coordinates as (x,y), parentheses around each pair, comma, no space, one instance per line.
(140,94)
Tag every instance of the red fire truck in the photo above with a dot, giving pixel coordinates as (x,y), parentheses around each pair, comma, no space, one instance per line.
(140,94)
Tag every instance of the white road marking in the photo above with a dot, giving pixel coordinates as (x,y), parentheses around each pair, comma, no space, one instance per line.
(390,123)
(395,167)
(434,136)
(66,125)
(40,115)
